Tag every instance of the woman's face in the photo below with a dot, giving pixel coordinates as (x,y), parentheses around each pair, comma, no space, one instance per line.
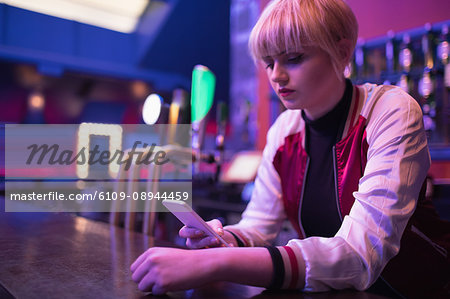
(305,80)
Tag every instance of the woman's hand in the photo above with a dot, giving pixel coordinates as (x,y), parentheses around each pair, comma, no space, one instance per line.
(199,239)
(160,270)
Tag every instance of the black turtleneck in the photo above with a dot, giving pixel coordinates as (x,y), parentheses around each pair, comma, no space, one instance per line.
(319,210)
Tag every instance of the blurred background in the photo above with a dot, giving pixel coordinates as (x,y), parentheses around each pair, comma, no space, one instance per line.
(94,61)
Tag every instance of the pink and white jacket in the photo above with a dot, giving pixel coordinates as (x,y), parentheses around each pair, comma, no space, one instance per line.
(380,165)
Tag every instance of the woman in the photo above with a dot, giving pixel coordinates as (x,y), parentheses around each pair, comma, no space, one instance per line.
(345,164)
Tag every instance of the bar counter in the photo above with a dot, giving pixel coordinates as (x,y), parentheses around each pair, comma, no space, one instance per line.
(47,255)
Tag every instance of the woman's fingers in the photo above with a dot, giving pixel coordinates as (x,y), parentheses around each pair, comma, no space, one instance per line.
(190,232)
(170,269)
(139,261)
(196,238)
(216,225)
(202,243)
(140,272)
(146,284)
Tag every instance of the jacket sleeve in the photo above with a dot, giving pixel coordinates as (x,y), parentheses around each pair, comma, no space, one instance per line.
(397,163)
(264,215)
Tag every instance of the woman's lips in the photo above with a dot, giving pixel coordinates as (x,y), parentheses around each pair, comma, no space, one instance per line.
(284,92)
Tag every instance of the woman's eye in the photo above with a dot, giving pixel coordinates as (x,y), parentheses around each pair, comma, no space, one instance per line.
(295,59)
(267,62)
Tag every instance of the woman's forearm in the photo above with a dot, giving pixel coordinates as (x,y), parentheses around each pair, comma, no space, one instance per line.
(250,265)
(162,269)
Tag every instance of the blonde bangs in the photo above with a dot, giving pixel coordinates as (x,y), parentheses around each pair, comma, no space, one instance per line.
(278,30)
(289,25)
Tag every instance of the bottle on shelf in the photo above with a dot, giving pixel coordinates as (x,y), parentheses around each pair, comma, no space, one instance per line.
(389,52)
(405,61)
(426,83)
(359,59)
(443,52)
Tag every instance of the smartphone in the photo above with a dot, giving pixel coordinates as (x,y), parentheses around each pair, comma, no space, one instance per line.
(190,218)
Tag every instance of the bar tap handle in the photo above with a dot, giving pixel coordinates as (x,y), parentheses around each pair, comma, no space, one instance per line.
(202,96)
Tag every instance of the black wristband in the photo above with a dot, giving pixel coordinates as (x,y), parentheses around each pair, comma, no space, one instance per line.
(278,268)
(238,241)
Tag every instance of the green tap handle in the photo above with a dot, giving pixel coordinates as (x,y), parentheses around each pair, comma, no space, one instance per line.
(202,93)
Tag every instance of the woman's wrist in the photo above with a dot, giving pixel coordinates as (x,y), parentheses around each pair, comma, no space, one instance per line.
(251,265)
(228,236)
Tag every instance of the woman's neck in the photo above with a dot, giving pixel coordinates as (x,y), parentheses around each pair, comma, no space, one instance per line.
(335,95)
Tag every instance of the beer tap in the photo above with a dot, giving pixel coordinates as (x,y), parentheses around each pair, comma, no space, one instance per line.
(202,96)
(222,115)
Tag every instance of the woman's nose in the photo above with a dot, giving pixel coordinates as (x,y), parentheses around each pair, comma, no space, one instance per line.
(279,73)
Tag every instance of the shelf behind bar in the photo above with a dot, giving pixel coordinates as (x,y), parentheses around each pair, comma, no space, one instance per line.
(398,36)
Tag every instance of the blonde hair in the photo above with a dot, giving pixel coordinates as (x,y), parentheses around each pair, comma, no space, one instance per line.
(290,25)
